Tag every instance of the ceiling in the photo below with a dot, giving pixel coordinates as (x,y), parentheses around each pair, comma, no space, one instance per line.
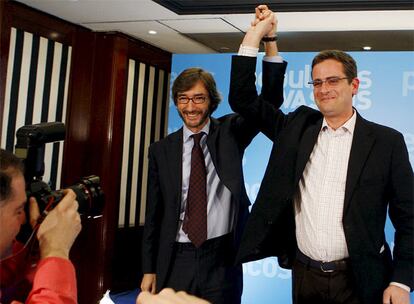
(213,26)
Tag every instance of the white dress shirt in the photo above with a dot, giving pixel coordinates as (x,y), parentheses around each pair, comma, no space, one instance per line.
(319,201)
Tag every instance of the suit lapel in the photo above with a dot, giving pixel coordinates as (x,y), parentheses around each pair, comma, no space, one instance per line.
(305,148)
(211,140)
(362,143)
(174,155)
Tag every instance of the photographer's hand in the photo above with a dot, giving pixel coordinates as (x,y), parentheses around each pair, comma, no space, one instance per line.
(60,228)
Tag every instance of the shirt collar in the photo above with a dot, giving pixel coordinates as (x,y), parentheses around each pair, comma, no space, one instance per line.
(349,125)
(187,132)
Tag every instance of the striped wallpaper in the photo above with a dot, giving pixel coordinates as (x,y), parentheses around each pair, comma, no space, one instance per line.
(36,91)
(146,115)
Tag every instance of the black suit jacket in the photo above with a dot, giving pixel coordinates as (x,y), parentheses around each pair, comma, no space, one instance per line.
(379,177)
(227,139)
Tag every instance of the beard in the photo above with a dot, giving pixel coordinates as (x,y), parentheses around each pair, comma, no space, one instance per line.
(196,123)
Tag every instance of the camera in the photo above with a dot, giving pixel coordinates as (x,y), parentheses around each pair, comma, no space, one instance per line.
(30,147)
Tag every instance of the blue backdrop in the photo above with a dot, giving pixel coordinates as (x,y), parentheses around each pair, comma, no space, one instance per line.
(386,96)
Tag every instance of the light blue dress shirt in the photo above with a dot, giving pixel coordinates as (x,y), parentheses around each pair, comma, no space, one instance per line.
(220,210)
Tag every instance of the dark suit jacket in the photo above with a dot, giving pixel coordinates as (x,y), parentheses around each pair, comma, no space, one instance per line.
(379,177)
(227,139)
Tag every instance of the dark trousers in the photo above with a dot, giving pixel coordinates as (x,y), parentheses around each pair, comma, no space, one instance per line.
(208,271)
(312,285)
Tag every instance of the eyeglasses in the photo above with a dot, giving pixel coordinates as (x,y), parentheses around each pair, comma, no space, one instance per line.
(330,81)
(196,99)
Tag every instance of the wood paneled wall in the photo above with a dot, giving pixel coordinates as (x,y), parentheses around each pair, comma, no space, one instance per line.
(95,127)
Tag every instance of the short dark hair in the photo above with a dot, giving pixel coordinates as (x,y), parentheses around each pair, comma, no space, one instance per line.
(348,63)
(10,165)
(189,77)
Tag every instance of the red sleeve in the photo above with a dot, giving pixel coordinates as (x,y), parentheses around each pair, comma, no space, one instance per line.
(54,283)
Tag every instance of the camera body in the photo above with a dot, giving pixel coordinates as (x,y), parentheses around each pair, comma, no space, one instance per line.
(30,147)
(88,194)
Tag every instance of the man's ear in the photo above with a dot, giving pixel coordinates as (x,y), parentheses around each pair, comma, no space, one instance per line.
(355,86)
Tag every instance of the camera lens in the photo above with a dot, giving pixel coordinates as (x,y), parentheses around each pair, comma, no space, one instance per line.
(89,195)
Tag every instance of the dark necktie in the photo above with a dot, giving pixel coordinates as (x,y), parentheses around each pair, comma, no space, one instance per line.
(195,220)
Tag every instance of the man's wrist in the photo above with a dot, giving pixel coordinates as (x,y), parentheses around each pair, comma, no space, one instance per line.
(269,38)
(248,51)
(403,286)
(47,252)
(252,38)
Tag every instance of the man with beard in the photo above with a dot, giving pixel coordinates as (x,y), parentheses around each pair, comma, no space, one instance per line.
(197,204)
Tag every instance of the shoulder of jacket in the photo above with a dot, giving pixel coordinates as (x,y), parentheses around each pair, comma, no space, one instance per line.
(175,136)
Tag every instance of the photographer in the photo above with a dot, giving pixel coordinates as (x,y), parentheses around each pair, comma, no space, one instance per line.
(54,279)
